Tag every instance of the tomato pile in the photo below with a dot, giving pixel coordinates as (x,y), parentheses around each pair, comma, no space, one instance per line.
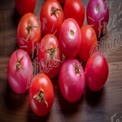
(58,42)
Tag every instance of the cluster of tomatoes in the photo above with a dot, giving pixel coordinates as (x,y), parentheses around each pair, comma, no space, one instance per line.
(59,42)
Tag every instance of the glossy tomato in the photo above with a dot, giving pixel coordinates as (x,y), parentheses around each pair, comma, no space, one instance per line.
(51,17)
(49,55)
(20,71)
(28,33)
(74,9)
(72,80)
(88,42)
(41,95)
(98,15)
(96,71)
(70,38)
(25,6)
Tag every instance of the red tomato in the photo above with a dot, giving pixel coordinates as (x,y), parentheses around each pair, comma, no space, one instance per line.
(88,42)
(28,32)
(98,15)
(25,6)
(41,95)
(74,9)
(96,71)
(20,71)
(70,38)
(72,80)
(49,55)
(51,17)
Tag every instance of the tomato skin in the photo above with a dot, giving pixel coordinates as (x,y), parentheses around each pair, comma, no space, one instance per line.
(72,80)
(49,55)
(51,19)
(96,71)
(98,15)
(74,9)
(88,42)
(70,38)
(28,33)
(25,6)
(41,81)
(20,71)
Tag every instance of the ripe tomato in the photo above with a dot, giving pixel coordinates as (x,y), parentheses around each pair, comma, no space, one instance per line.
(20,71)
(96,71)
(41,95)
(25,6)
(98,15)
(51,17)
(28,33)
(72,80)
(74,9)
(70,38)
(88,42)
(49,55)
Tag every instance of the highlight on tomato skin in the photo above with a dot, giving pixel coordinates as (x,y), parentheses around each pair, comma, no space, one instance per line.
(96,71)
(41,95)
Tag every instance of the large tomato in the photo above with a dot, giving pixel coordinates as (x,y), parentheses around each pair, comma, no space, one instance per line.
(98,15)
(72,80)
(88,42)
(28,32)
(20,71)
(41,95)
(96,71)
(74,9)
(49,55)
(25,6)
(51,17)
(70,38)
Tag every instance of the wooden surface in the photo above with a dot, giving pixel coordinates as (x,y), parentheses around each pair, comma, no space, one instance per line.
(104,106)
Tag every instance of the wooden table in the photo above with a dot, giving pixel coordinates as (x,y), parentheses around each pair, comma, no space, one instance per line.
(103,106)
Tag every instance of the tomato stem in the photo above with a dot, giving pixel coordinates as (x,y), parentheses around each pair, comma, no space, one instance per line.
(77,69)
(40,97)
(18,64)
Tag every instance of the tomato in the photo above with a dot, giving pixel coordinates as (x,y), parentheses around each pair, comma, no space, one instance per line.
(51,17)
(41,95)
(49,55)
(70,38)
(20,71)
(72,80)
(74,9)
(88,42)
(25,6)
(29,33)
(98,15)
(96,71)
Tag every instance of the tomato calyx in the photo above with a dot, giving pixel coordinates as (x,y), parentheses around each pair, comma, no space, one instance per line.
(40,97)
(77,69)
(52,54)
(29,29)
(54,11)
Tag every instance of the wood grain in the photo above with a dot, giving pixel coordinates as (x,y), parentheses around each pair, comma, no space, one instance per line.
(92,107)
